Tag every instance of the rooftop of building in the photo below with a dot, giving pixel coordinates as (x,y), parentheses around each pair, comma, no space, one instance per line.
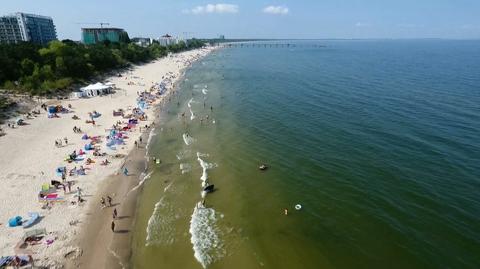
(102,29)
(29,15)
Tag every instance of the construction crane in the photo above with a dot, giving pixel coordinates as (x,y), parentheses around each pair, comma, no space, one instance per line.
(97,23)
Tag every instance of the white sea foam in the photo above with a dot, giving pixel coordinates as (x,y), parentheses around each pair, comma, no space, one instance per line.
(150,136)
(143,177)
(183,154)
(192,115)
(168,187)
(205,167)
(204,91)
(188,139)
(205,235)
(160,227)
(185,168)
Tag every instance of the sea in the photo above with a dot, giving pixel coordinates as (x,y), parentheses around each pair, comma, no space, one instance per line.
(372,148)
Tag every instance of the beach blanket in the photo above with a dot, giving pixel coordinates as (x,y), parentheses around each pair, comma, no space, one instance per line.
(34,216)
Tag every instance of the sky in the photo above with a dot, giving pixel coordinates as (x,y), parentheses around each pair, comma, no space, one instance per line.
(299,19)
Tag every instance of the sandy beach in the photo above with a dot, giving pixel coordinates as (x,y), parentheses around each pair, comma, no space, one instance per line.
(29,159)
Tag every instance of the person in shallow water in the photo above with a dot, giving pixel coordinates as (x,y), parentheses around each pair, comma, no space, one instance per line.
(286,212)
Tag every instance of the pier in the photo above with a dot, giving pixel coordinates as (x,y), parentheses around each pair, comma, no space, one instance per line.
(267,45)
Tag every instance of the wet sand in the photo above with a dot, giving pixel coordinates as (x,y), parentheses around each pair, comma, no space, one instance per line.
(102,248)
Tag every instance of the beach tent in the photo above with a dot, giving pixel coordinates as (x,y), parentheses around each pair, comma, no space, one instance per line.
(96,89)
(15,221)
(110,84)
(77,94)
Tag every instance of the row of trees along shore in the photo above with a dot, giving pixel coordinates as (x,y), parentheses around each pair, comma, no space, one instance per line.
(32,69)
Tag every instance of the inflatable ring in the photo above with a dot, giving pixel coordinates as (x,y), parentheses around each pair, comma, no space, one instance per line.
(298,206)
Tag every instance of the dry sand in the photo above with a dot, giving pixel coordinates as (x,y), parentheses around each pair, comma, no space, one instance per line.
(29,157)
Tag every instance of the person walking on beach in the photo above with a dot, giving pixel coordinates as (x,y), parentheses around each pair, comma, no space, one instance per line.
(115,213)
(109,200)
(113,226)
(125,171)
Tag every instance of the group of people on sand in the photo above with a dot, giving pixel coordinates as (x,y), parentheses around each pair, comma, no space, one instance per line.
(77,130)
(59,142)
(103,204)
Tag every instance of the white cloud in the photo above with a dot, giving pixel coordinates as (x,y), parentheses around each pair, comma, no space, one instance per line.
(362,24)
(277,10)
(212,8)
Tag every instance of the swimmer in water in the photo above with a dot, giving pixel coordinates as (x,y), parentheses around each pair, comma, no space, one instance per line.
(286,212)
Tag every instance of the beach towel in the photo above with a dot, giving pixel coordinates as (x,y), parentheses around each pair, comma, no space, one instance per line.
(34,216)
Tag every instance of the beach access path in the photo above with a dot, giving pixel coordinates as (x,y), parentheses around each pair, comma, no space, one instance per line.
(29,158)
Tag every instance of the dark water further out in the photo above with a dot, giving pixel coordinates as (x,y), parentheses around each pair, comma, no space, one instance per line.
(379,141)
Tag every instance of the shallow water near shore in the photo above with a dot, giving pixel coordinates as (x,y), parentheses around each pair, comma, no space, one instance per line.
(377,140)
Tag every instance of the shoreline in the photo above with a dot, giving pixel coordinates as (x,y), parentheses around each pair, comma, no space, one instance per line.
(70,226)
(114,250)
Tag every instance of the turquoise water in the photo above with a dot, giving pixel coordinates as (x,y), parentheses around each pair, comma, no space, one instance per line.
(377,140)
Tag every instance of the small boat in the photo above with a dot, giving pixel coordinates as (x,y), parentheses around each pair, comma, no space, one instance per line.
(209,188)
(263,167)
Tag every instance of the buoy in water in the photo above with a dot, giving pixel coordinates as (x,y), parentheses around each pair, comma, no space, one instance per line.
(298,206)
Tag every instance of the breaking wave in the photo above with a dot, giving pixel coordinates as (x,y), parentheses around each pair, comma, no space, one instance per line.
(188,139)
(205,235)
(161,228)
(185,167)
(205,167)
